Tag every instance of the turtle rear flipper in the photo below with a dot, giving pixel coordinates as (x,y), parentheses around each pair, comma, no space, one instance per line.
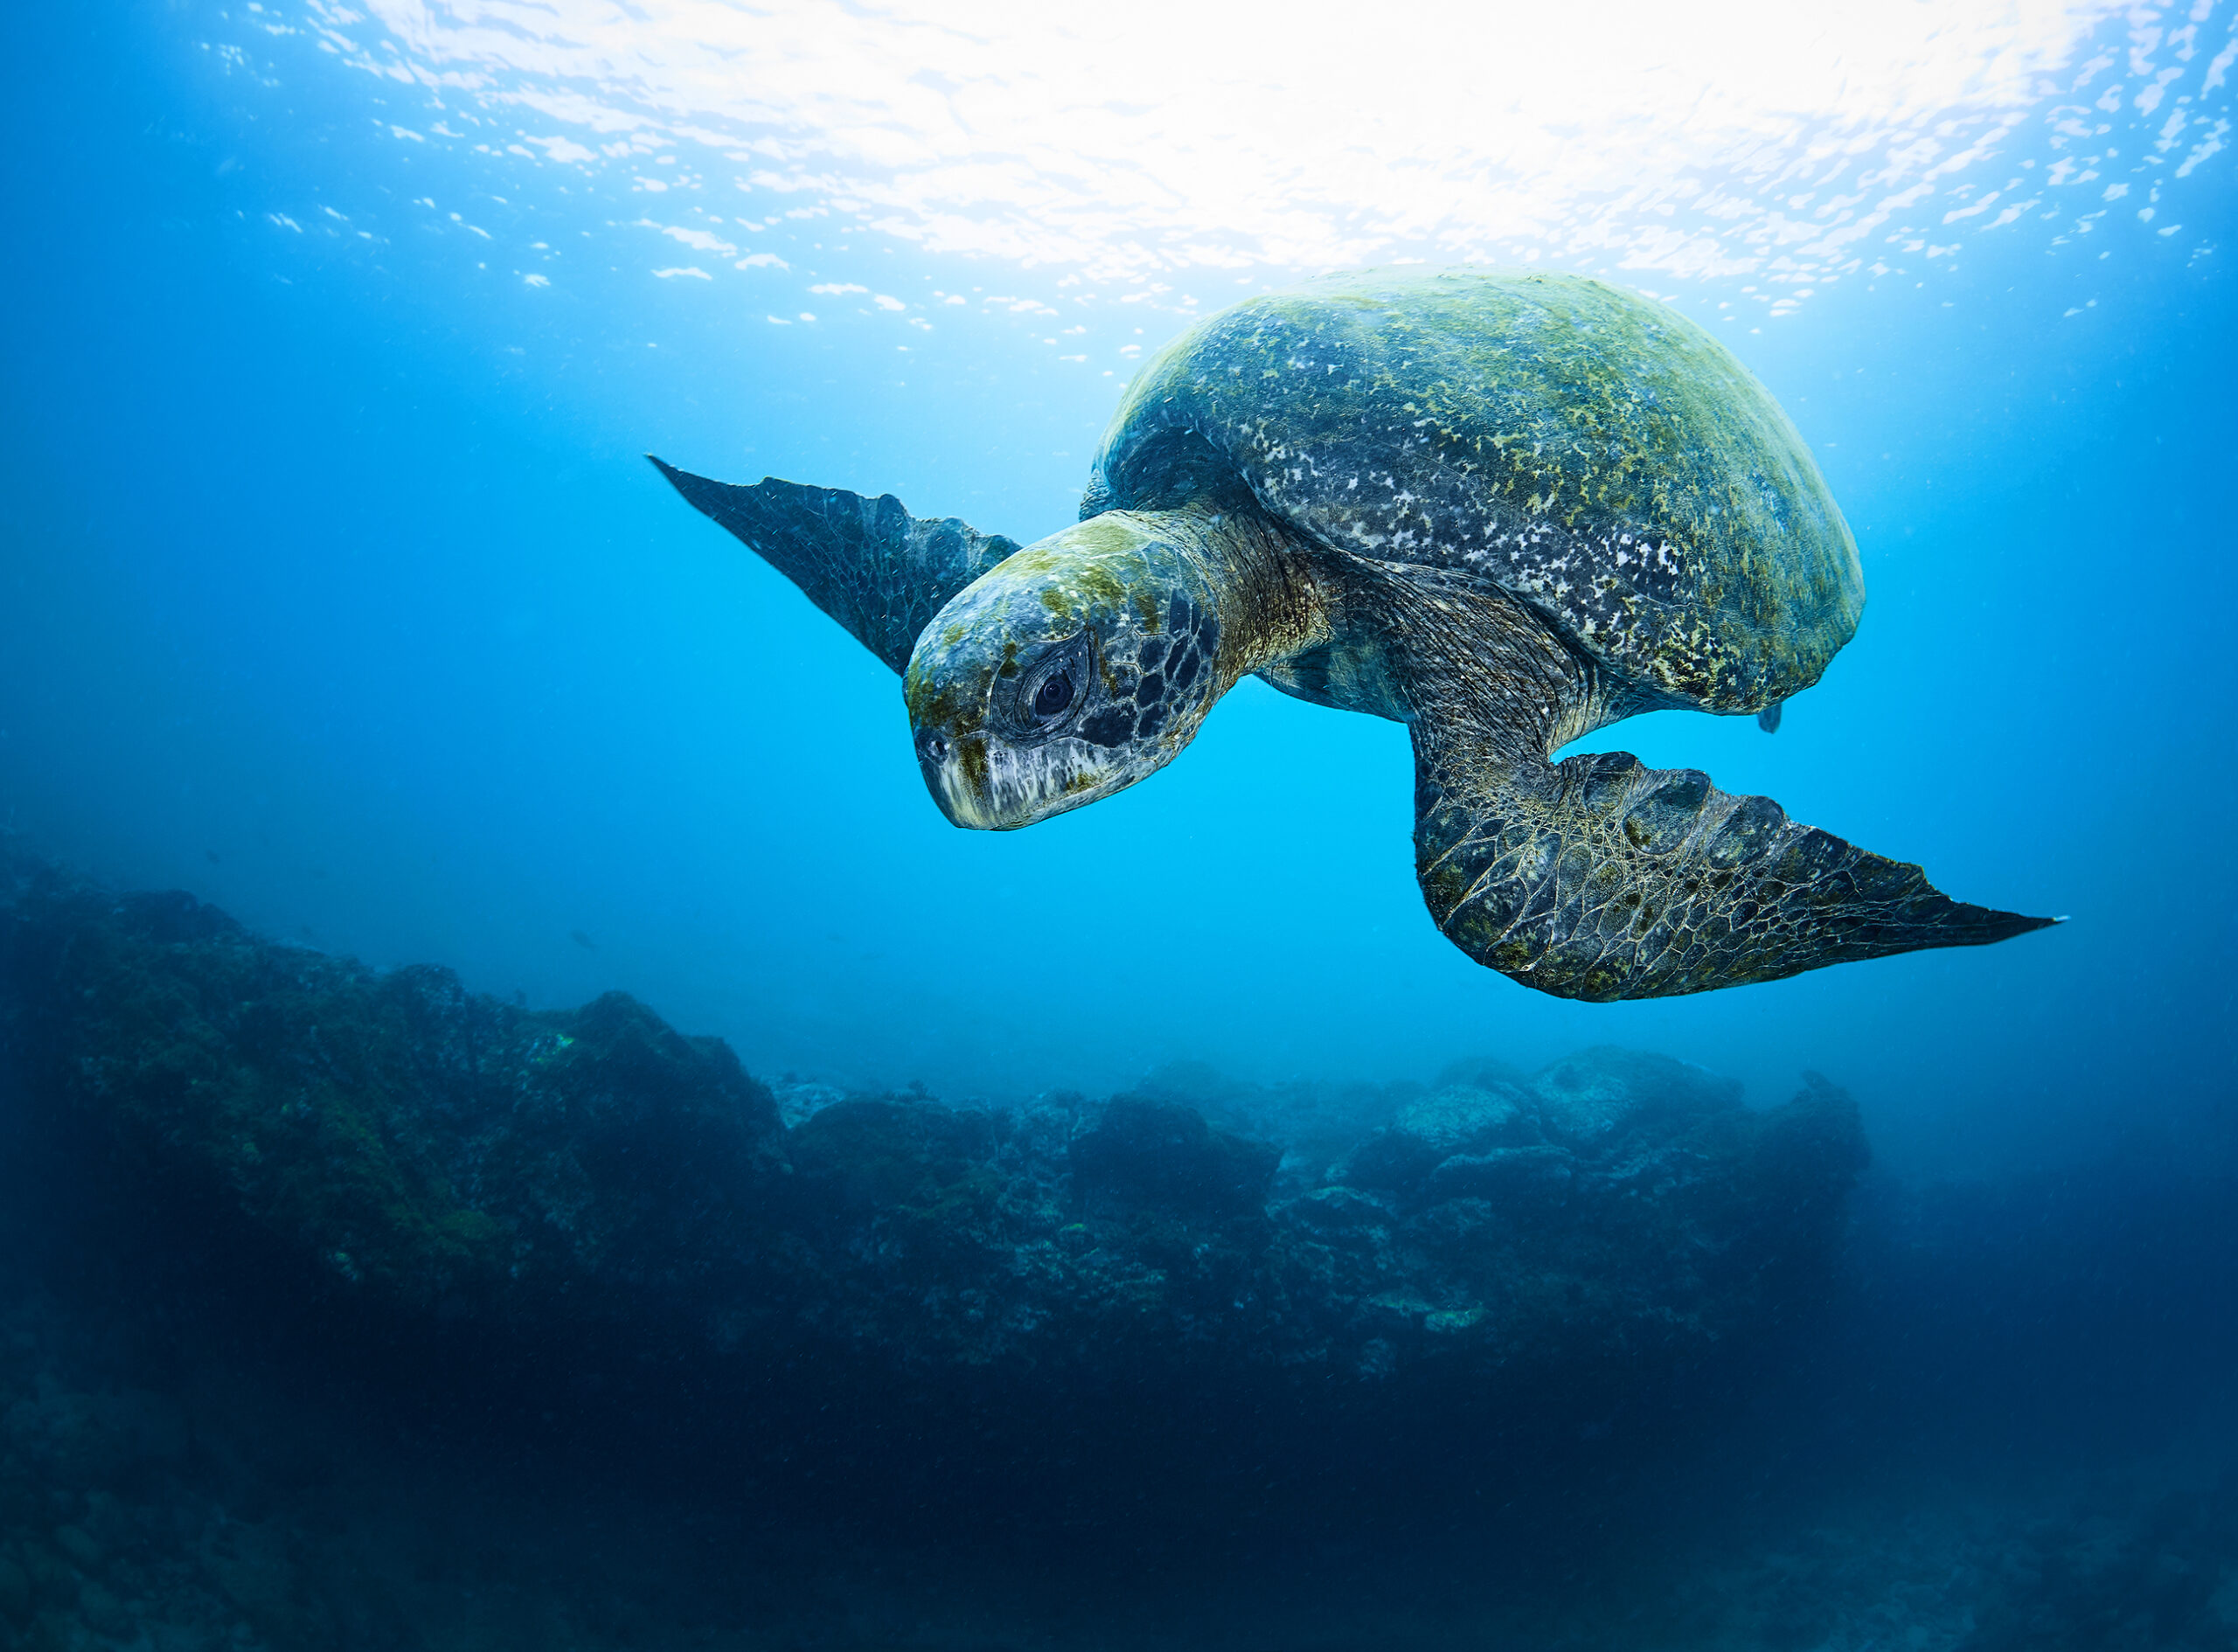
(869,564)
(1604,878)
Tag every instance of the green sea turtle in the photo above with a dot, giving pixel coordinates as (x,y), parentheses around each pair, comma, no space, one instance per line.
(1502,508)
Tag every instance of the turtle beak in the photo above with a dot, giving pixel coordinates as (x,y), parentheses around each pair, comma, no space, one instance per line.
(989,785)
(956,774)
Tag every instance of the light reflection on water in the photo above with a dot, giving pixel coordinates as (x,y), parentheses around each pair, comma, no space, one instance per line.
(1165,146)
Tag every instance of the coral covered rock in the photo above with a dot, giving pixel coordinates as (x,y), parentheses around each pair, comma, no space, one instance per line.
(436,1149)
(1158,1153)
(448,1158)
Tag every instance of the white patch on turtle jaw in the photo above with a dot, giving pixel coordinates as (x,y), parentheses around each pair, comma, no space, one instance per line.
(1025,784)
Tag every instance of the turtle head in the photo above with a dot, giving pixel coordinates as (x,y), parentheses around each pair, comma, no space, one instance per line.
(1067,671)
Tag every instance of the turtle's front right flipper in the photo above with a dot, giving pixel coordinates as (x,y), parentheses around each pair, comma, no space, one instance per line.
(1604,878)
(869,564)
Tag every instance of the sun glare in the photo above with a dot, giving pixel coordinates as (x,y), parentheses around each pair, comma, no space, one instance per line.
(1796,141)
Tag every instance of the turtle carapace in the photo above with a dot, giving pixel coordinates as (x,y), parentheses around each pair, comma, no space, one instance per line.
(1505,509)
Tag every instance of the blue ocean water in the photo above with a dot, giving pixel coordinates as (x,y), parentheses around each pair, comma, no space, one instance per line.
(341,594)
(336,589)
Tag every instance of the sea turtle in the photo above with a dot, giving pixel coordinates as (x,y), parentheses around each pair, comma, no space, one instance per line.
(1504,508)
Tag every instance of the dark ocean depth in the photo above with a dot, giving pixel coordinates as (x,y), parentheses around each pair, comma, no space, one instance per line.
(521,1127)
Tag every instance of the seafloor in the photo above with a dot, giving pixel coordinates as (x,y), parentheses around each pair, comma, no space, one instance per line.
(348,1309)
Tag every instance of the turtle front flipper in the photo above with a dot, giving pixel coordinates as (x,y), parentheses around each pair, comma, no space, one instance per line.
(869,564)
(1603,878)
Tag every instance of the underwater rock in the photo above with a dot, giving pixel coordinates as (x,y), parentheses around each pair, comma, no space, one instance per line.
(1457,1119)
(799,1100)
(1321,1121)
(1605,1091)
(442,1151)
(455,1162)
(1484,1134)
(1509,1176)
(1465,1117)
(1164,1156)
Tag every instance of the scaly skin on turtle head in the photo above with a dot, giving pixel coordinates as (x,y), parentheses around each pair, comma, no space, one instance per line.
(1067,671)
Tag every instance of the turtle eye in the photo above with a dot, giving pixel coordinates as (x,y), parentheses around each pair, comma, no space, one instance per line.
(1052,691)
(1054,695)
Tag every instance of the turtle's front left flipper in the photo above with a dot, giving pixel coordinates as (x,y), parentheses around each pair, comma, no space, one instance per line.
(1604,878)
(869,564)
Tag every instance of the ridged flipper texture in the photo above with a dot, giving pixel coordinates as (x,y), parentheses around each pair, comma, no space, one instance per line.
(1604,878)
(869,564)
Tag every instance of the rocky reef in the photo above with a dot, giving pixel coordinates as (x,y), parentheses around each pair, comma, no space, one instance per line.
(343,1309)
(433,1155)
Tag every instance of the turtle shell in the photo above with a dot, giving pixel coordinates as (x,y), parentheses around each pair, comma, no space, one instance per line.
(1589,450)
